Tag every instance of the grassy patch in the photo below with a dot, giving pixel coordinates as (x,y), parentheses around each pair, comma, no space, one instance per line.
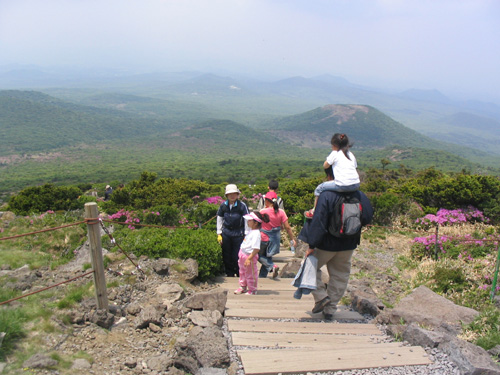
(484,331)
(12,323)
(75,295)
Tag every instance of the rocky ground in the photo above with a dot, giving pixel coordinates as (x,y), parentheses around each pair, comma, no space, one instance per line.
(163,321)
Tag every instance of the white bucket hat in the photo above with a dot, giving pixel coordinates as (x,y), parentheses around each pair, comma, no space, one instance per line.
(231,188)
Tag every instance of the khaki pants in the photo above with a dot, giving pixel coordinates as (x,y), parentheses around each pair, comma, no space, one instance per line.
(338,265)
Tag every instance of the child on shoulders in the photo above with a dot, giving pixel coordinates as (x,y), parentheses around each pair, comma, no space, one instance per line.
(343,162)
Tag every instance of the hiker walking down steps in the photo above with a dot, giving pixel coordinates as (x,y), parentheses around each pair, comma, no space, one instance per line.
(271,234)
(333,251)
(231,229)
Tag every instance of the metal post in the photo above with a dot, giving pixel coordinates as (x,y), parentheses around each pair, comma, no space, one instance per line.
(495,276)
(436,249)
(94,235)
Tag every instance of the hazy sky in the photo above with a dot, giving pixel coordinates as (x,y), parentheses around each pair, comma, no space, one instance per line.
(450,45)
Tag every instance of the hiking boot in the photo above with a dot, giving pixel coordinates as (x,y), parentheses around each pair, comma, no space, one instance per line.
(275,271)
(320,305)
(240,291)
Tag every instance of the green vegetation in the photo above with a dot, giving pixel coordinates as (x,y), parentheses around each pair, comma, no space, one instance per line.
(101,145)
(174,166)
(75,295)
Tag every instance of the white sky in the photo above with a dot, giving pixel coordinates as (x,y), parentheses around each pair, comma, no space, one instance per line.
(450,45)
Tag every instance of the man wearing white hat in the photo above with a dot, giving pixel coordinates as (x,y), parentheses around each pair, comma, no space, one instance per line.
(231,229)
(108,192)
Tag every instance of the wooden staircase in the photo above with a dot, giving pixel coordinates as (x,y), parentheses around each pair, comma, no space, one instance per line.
(300,341)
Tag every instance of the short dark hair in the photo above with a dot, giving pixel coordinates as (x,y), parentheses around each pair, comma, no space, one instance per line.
(273,185)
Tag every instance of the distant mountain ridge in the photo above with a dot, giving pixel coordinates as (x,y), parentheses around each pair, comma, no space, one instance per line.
(47,139)
(33,122)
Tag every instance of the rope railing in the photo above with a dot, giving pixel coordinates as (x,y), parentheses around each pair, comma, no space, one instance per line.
(42,231)
(148,225)
(46,288)
(97,220)
(113,241)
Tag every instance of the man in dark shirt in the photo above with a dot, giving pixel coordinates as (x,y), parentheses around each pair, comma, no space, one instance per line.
(108,192)
(334,252)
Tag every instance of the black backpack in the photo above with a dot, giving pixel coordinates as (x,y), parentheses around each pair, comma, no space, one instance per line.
(346,218)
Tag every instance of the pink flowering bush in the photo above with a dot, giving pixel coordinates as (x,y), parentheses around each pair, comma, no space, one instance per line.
(160,215)
(464,246)
(217,200)
(450,217)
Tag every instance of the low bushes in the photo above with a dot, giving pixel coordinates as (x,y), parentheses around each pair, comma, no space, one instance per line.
(199,244)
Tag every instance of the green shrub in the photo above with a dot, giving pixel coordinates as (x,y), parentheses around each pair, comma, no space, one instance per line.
(45,198)
(433,189)
(449,279)
(298,196)
(199,244)
(387,206)
(168,215)
(85,199)
(204,213)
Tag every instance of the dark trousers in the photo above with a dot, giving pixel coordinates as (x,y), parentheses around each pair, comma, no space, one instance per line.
(230,249)
(267,262)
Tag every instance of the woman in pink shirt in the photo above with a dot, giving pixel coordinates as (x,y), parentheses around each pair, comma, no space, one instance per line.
(271,234)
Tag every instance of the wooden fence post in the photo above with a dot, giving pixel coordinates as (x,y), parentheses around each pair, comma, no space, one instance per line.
(94,235)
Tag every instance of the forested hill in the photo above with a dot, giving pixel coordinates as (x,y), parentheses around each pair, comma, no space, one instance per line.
(369,129)
(365,125)
(35,122)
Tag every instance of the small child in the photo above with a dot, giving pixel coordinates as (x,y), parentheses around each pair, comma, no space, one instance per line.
(248,255)
(344,170)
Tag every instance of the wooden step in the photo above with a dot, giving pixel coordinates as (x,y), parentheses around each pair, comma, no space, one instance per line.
(313,360)
(245,325)
(302,313)
(306,340)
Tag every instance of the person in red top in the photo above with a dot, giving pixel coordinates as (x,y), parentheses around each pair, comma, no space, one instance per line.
(271,234)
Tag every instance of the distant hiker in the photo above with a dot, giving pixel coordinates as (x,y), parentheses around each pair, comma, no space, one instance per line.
(271,234)
(346,177)
(108,192)
(333,251)
(273,186)
(231,229)
(249,254)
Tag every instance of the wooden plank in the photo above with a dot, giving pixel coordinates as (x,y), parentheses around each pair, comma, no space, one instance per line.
(232,283)
(305,327)
(267,313)
(273,303)
(307,360)
(265,296)
(306,340)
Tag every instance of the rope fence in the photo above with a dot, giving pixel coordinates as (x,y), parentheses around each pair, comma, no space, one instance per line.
(47,288)
(94,223)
